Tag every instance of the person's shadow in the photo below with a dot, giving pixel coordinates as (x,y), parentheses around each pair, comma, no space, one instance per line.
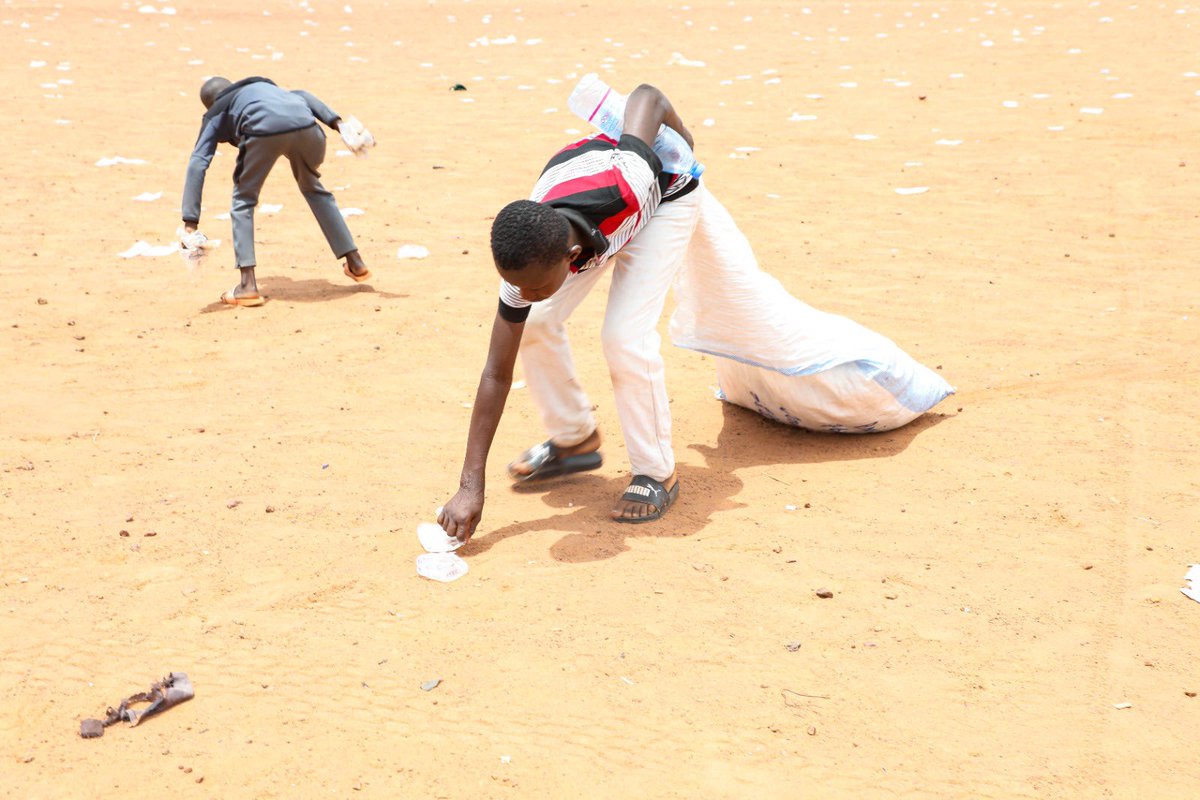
(746,440)
(308,290)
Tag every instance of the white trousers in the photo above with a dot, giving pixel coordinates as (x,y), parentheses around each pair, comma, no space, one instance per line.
(642,274)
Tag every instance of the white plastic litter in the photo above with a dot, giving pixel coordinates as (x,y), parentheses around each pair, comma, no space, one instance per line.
(356,136)
(142,248)
(1192,577)
(352,212)
(112,161)
(912,189)
(444,567)
(196,246)
(435,540)
(412,251)
(781,357)
(148,197)
(270,208)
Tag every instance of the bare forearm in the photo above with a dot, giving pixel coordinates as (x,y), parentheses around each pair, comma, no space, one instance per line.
(647,109)
(485,419)
(494,384)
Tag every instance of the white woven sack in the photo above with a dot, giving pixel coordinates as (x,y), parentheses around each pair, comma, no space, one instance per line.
(780,356)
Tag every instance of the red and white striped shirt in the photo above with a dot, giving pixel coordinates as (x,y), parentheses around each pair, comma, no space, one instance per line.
(610,190)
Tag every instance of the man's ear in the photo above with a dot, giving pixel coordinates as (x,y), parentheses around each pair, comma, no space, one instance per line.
(575,251)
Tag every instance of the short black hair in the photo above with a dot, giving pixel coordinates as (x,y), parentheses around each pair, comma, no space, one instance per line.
(525,232)
(211,88)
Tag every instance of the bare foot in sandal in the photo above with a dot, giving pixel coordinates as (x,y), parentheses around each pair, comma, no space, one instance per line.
(355,267)
(547,459)
(645,499)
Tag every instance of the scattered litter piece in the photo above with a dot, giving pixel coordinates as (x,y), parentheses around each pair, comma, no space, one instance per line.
(444,567)
(505,759)
(949,142)
(170,691)
(824,594)
(1122,706)
(108,162)
(1192,577)
(356,136)
(792,646)
(412,251)
(789,507)
(865,137)
(1010,104)
(222,215)
(434,539)
(37,64)
(518,385)
(430,685)
(678,59)
(798,117)
(143,248)
(912,189)
(148,197)
(352,212)
(271,208)
(195,247)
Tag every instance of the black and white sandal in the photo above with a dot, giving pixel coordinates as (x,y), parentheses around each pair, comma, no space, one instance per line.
(547,461)
(643,489)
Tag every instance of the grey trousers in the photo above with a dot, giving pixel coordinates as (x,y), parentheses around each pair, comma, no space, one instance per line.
(305,150)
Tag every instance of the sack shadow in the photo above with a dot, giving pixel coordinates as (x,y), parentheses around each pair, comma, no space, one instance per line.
(746,440)
(308,290)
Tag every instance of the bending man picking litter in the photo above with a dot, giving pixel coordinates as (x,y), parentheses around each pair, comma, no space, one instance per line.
(601,202)
(267,123)
(598,203)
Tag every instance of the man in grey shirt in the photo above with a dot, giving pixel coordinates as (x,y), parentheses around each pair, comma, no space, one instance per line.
(265,122)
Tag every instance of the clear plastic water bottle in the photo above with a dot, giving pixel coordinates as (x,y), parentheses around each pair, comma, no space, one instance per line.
(601,105)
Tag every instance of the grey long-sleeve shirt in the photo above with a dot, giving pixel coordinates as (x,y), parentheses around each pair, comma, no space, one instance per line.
(257,109)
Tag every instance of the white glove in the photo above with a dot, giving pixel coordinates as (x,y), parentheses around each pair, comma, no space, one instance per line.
(355,136)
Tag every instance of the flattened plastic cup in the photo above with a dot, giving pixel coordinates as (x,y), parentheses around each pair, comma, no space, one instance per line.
(436,540)
(444,567)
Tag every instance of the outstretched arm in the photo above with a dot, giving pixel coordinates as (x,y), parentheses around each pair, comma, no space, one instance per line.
(465,509)
(319,109)
(193,187)
(646,109)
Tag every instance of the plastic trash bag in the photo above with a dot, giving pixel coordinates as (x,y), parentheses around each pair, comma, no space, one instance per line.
(444,567)
(355,136)
(195,246)
(780,356)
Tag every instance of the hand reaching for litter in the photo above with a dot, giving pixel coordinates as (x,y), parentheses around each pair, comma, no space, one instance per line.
(355,135)
(194,243)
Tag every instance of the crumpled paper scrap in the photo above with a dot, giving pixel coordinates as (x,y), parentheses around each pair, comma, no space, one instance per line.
(1192,577)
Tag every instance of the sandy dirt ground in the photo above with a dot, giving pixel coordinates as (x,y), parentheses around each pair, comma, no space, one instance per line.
(1005,570)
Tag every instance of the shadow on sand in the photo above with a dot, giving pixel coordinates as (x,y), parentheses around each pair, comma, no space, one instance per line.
(746,440)
(309,290)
